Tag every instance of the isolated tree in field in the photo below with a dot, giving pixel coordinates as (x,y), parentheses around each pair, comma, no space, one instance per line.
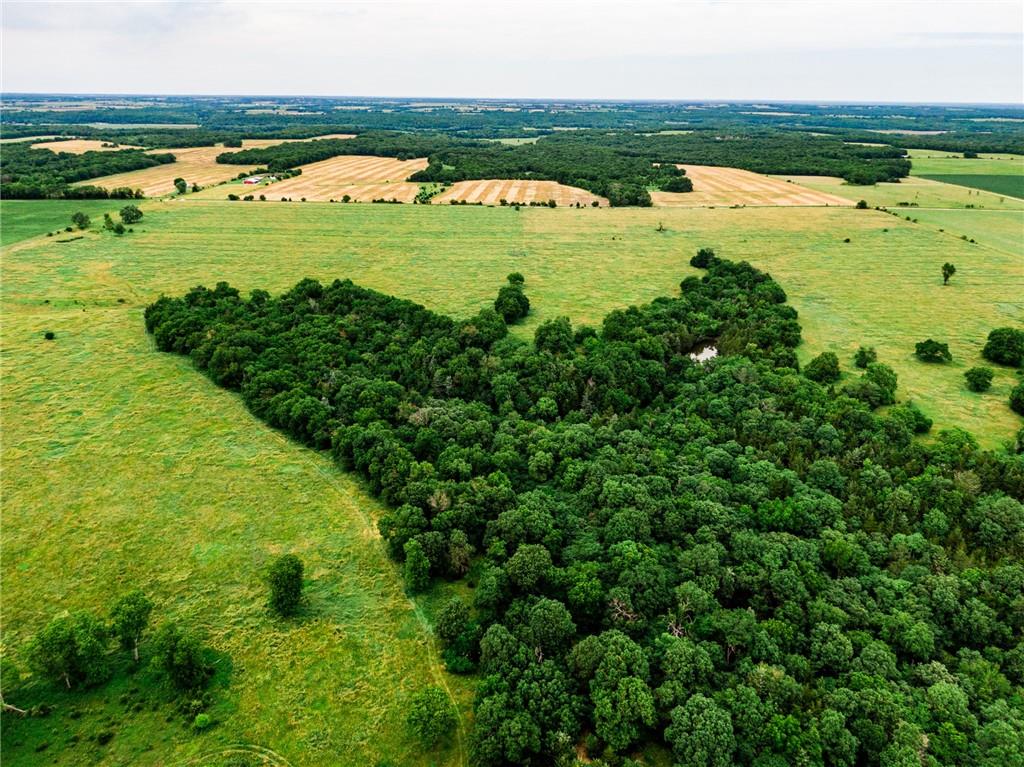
(824,368)
(948,270)
(1017,399)
(417,567)
(108,222)
(181,185)
(130,214)
(430,716)
(512,303)
(81,220)
(862,205)
(864,356)
(285,581)
(129,618)
(1005,346)
(979,379)
(182,659)
(71,650)
(932,351)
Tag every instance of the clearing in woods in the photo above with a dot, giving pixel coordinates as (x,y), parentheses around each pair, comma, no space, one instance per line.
(82,145)
(715,186)
(361,177)
(517,191)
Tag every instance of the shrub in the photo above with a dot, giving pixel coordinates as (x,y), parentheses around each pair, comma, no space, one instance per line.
(130,214)
(1017,399)
(202,722)
(824,368)
(703,258)
(1005,346)
(862,205)
(81,220)
(49,335)
(430,716)
(285,580)
(181,658)
(864,356)
(979,379)
(932,351)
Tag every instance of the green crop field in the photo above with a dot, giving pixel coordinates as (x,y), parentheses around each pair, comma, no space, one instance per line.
(999,174)
(124,467)
(913,191)
(30,218)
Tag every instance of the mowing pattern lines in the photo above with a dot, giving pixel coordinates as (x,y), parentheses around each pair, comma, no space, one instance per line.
(492,191)
(81,146)
(713,186)
(362,177)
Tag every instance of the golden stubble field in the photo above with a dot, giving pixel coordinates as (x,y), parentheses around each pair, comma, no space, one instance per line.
(82,145)
(517,191)
(361,177)
(714,187)
(197,165)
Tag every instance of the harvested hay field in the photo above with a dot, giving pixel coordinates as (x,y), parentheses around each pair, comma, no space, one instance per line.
(492,191)
(82,145)
(197,165)
(362,177)
(713,187)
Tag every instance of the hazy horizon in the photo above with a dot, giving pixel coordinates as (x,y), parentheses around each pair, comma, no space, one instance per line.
(705,50)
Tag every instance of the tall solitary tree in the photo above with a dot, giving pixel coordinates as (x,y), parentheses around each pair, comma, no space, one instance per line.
(129,618)
(948,270)
(285,580)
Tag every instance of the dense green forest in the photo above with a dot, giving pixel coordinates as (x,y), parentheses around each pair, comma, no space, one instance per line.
(728,558)
(40,173)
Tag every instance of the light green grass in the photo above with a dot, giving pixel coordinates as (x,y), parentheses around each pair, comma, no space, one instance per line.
(999,174)
(916,191)
(21,219)
(125,467)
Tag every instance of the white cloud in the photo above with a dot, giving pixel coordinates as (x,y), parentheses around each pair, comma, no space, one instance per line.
(675,50)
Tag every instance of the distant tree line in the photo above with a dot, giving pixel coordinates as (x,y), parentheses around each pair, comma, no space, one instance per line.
(728,558)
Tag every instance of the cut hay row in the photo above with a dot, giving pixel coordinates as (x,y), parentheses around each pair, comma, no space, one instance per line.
(517,191)
(362,177)
(714,186)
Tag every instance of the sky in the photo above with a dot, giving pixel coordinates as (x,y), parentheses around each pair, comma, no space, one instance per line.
(849,50)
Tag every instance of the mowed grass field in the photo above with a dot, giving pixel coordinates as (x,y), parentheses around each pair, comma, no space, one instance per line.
(999,174)
(517,191)
(716,186)
(81,146)
(362,177)
(124,467)
(30,218)
(197,165)
(913,191)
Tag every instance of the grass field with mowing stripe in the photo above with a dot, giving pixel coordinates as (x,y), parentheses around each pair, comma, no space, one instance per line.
(125,467)
(22,219)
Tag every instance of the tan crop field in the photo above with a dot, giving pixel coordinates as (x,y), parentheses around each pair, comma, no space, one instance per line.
(713,187)
(492,191)
(82,145)
(362,177)
(197,165)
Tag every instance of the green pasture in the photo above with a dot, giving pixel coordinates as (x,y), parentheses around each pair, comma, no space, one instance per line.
(912,191)
(999,174)
(124,468)
(21,219)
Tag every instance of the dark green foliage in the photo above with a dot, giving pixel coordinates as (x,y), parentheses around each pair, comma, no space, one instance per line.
(1005,346)
(39,173)
(862,205)
(417,567)
(727,558)
(285,581)
(71,650)
(824,368)
(979,379)
(1017,399)
(130,214)
(81,220)
(180,185)
(129,618)
(182,659)
(948,270)
(512,303)
(864,356)
(703,258)
(430,716)
(932,351)
(49,335)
